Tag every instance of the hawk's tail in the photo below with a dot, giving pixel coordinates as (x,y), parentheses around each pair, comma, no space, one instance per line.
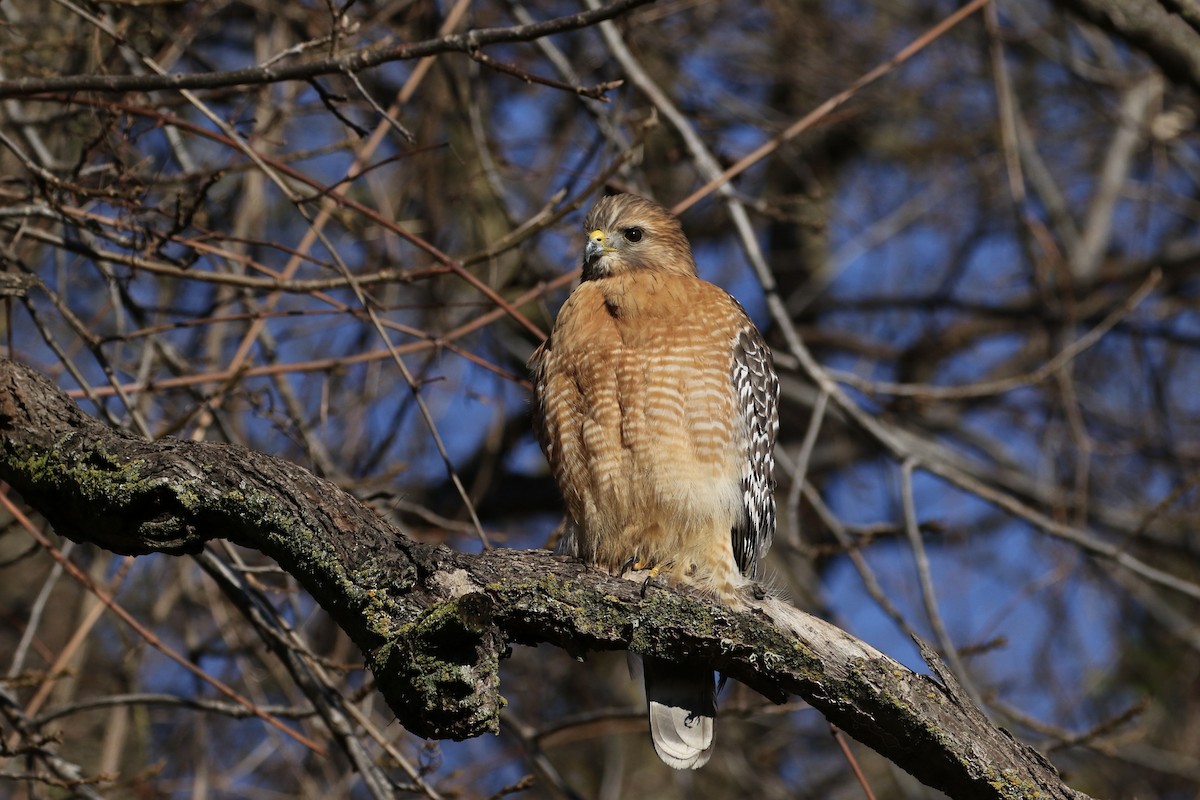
(683,703)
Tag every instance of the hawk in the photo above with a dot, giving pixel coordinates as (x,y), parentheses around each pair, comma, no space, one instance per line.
(656,404)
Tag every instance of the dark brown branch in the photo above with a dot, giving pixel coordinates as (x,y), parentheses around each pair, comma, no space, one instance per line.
(434,623)
(597,92)
(356,61)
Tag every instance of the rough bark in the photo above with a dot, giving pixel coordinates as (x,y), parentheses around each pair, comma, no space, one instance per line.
(434,623)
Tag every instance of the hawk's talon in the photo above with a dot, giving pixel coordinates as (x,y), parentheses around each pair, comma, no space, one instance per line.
(635,564)
(652,577)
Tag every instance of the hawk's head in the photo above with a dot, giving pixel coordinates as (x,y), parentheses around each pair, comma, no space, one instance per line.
(626,232)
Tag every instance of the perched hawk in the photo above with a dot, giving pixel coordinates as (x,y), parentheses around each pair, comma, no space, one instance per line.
(656,406)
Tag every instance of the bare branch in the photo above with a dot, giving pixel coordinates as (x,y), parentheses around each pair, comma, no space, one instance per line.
(468,42)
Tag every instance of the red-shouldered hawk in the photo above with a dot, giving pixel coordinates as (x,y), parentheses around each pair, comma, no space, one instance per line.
(656,406)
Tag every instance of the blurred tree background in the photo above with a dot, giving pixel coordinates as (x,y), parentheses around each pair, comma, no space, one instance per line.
(978,265)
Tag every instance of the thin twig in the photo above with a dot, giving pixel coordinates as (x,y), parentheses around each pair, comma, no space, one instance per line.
(147,635)
(1001,385)
(820,112)
(925,578)
(852,761)
(355,61)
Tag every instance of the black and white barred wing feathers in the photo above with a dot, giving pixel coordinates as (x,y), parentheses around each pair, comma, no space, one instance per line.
(757,388)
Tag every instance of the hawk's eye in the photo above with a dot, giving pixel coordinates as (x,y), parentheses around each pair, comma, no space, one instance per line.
(633,234)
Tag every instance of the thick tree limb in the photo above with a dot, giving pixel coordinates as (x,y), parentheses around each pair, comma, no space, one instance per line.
(434,623)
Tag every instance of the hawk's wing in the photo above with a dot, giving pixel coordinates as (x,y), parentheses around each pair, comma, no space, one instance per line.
(757,389)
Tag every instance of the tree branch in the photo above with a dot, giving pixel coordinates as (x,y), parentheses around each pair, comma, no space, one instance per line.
(435,623)
(352,62)
(1159,28)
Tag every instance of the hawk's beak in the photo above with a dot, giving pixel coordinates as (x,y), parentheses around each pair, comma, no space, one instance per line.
(595,246)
